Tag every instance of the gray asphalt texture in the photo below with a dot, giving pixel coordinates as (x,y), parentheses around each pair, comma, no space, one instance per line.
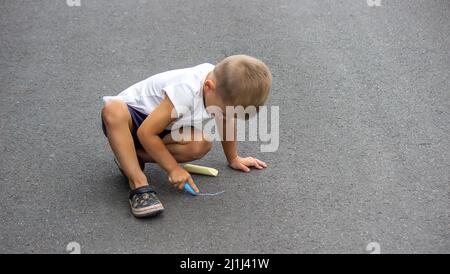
(364,156)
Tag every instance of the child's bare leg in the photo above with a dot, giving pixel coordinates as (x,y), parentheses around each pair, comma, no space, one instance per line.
(183,151)
(118,124)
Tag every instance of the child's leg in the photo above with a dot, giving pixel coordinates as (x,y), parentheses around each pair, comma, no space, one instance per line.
(183,151)
(119,125)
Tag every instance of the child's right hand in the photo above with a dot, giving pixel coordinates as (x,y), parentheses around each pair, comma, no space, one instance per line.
(178,177)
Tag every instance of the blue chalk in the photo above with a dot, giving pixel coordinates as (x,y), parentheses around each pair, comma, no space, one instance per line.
(188,189)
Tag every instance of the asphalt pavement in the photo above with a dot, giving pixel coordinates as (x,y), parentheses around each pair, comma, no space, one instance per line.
(364,113)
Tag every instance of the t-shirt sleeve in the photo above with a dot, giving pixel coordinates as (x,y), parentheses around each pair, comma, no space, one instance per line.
(182,97)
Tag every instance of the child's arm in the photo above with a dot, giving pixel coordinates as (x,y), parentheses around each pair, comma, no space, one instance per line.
(230,147)
(148,132)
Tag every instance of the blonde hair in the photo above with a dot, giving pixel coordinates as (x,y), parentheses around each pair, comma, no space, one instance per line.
(242,80)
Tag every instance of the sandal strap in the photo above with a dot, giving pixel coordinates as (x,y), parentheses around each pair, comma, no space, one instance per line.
(141,190)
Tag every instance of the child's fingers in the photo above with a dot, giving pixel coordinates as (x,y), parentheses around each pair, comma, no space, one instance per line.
(253,162)
(192,184)
(243,167)
(261,163)
(180,186)
(257,165)
(172,182)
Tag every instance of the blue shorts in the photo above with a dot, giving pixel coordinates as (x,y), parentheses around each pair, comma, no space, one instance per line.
(138,118)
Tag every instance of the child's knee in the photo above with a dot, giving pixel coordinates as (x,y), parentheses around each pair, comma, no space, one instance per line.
(115,113)
(199,149)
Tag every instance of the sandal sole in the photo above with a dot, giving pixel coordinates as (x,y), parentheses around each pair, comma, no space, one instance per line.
(148,211)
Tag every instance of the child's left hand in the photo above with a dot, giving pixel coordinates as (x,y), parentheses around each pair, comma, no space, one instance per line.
(243,164)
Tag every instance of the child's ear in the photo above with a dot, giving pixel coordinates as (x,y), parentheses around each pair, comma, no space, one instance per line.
(209,86)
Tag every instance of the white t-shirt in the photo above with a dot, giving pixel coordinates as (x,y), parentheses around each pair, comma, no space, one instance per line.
(184,87)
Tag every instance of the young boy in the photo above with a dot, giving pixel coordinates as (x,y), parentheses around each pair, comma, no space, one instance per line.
(139,121)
